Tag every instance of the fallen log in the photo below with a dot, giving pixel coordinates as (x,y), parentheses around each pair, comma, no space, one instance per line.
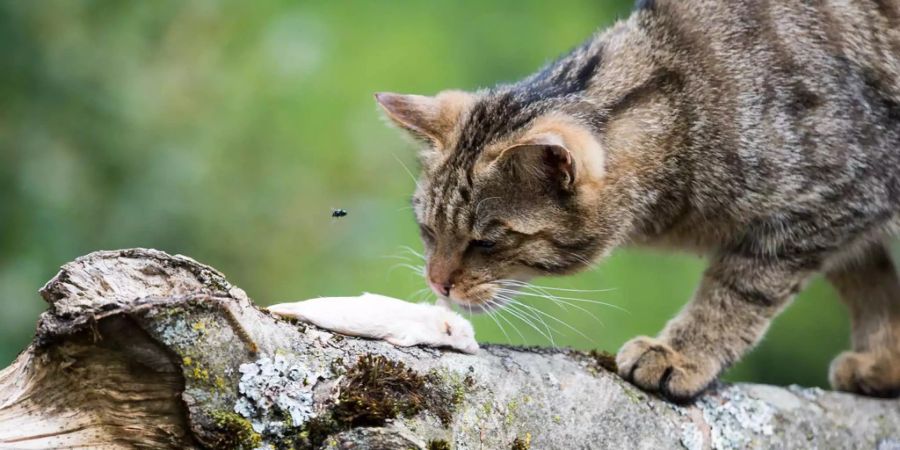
(141,349)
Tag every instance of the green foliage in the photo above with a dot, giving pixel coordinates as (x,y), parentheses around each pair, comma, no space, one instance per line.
(228,130)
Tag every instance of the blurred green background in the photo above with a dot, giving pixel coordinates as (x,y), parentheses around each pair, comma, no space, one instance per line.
(228,130)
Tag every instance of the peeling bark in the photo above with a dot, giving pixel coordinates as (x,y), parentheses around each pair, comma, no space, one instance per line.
(143,349)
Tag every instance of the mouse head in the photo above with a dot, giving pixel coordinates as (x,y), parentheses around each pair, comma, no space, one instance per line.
(457,332)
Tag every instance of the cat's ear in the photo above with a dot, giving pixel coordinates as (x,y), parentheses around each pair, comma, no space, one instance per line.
(543,158)
(556,149)
(430,119)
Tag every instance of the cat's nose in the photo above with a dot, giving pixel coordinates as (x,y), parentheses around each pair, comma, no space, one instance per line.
(440,288)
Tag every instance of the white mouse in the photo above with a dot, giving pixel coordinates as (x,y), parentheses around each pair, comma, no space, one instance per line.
(379,317)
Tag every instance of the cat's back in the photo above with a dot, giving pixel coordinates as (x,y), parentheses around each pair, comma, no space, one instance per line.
(764,44)
(794,104)
(790,89)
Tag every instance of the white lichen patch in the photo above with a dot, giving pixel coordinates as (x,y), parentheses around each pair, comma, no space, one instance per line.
(176,332)
(735,418)
(275,390)
(888,444)
(551,379)
(809,393)
(691,436)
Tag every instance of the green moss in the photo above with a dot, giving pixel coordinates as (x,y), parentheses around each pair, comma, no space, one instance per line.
(301,325)
(317,430)
(337,366)
(438,444)
(234,431)
(220,383)
(199,373)
(373,391)
(604,360)
(459,393)
(441,399)
(522,444)
(457,385)
(169,311)
(512,409)
(199,326)
(377,389)
(632,394)
(195,371)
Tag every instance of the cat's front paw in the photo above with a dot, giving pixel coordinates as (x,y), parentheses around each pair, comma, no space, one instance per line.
(866,373)
(655,366)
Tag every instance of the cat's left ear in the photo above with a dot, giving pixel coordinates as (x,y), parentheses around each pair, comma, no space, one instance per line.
(429,119)
(557,150)
(545,157)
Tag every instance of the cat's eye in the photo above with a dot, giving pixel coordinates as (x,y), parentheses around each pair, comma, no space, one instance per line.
(481,243)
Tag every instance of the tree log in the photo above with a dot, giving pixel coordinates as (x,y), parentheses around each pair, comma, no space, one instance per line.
(143,349)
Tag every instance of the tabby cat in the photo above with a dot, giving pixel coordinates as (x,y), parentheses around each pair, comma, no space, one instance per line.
(762,134)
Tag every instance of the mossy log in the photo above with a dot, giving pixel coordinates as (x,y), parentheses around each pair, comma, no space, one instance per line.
(143,349)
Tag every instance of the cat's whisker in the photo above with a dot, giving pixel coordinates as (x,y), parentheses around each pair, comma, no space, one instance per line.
(509,322)
(405,168)
(418,270)
(560,321)
(498,311)
(549,288)
(549,296)
(502,330)
(526,316)
(400,257)
(421,294)
(534,289)
(412,251)
(518,314)
(590,264)
(563,303)
(510,301)
(549,334)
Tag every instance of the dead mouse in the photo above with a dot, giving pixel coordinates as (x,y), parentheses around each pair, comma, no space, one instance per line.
(379,317)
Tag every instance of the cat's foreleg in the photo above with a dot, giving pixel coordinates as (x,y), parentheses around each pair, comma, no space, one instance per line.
(731,310)
(869,285)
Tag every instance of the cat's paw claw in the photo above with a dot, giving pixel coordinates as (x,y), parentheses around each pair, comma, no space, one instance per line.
(654,366)
(866,373)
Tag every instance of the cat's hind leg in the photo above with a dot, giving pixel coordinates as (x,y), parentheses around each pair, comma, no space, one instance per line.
(869,285)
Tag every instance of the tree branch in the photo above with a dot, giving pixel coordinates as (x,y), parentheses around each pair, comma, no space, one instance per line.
(143,349)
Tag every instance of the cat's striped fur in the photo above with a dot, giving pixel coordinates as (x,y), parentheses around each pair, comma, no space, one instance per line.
(763,134)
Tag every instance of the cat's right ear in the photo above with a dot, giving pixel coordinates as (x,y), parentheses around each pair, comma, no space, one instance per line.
(429,119)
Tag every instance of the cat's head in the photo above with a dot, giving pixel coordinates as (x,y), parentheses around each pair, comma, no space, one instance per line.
(510,189)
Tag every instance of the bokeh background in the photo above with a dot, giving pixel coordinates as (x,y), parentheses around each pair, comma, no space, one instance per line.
(228,130)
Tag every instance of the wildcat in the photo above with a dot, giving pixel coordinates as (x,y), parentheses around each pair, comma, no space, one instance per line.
(762,134)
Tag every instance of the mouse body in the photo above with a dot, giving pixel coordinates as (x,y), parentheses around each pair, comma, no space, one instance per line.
(380,317)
